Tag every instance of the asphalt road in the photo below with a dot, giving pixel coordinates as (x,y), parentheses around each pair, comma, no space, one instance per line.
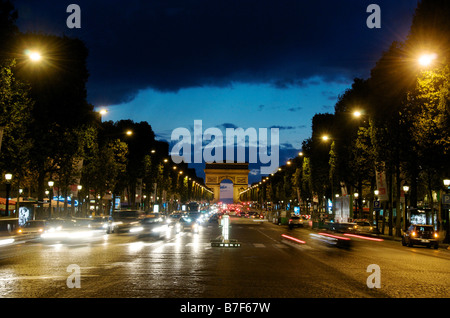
(184,265)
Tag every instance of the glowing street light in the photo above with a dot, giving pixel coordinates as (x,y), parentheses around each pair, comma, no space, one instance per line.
(129,132)
(8,177)
(35,56)
(357,114)
(427,59)
(325,138)
(51,184)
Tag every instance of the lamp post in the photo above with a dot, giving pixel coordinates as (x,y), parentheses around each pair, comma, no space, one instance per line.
(405,210)
(8,177)
(79,187)
(356,195)
(51,184)
(447,213)
(376,192)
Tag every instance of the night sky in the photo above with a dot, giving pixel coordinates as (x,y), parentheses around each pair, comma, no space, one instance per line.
(246,63)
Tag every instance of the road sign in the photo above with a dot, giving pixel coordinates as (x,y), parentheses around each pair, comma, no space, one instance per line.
(377,205)
(446,199)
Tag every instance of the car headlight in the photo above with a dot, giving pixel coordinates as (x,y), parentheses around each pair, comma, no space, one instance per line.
(436,235)
(136,229)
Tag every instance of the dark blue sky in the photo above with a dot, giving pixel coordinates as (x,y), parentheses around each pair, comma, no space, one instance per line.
(246,63)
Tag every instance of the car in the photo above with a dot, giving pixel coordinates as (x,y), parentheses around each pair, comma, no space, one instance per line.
(196,216)
(68,230)
(345,227)
(33,228)
(295,221)
(253,215)
(173,218)
(125,221)
(420,234)
(364,227)
(98,223)
(153,225)
(214,218)
(187,224)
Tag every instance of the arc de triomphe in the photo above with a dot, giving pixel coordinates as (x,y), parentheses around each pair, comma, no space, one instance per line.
(215,173)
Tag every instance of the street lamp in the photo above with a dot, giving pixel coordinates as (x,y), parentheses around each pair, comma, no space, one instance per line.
(447,182)
(8,177)
(405,213)
(376,192)
(51,184)
(356,195)
(79,187)
(34,56)
(427,59)
(447,215)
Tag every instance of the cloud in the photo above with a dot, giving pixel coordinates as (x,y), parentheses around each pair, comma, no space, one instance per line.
(295,109)
(227,125)
(282,127)
(172,45)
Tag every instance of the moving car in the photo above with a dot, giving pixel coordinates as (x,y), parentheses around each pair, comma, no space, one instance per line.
(253,215)
(33,228)
(295,221)
(125,221)
(364,227)
(187,224)
(154,225)
(98,223)
(420,234)
(346,227)
(173,218)
(214,218)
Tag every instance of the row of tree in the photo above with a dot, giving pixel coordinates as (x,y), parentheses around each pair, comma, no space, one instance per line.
(403,129)
(50,132)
